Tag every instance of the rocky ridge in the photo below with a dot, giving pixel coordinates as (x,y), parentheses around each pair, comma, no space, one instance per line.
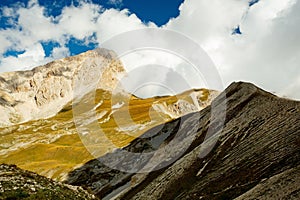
(243,151)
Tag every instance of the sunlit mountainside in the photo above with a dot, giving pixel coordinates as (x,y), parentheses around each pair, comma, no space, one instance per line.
(58,118)
(48,142)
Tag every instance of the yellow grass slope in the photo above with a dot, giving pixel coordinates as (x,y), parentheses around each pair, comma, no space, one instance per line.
(52,147)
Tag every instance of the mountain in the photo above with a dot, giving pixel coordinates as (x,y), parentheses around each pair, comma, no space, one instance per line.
(37,128)
(245,145)
(45,90)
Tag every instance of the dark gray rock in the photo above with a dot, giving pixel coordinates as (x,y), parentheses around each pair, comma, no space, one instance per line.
(102,179)
(230,148)
(283,186)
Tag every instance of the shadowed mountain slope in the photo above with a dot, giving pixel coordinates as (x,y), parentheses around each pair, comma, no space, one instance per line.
(246,145)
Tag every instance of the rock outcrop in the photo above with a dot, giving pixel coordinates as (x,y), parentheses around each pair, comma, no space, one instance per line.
(243,146)
(198,99)
(16,183)
(45,90)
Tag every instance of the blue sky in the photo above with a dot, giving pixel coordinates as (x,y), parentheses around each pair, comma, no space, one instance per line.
(156,11)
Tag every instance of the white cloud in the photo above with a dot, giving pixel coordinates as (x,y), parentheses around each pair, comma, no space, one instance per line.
(60,52)
(115,2)
(7,12)
(113,22)
(167,72)
(33,56)
(80,22)
(204,21)
(267,53)
(35,26)
(292,89)
(5,43)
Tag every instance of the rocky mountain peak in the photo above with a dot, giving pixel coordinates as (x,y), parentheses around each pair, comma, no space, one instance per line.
(44,90)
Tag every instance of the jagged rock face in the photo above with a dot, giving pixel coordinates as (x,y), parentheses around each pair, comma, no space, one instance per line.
(16,183)
(43,91)
(257,148)
(198,99)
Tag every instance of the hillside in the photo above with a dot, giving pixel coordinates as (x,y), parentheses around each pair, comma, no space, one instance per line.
(243,143)
(45,138)
(249,150)
(20,184)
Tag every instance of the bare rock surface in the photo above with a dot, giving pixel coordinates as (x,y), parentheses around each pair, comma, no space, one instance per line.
(45,90)
(243,151)
(281,186)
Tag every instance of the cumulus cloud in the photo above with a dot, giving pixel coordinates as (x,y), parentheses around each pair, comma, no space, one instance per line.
(207,21)
(115,2)
(80,22)
(267,52)
(32,27)
(60,52)
(157,72)
(32,57)
(113,22)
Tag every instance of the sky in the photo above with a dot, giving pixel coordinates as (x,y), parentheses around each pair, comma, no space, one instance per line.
(249,40)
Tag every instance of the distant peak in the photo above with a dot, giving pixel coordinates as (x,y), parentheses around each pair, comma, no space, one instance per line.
(44,90)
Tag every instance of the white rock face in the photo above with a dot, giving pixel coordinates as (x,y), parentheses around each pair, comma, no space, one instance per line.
(198,101)
(43,91)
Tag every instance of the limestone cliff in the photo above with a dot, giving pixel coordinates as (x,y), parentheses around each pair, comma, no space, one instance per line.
(45,90)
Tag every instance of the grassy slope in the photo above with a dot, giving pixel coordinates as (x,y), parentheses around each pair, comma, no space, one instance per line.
(52,147)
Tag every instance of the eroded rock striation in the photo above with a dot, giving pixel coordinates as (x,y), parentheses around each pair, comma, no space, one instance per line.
(246,145)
